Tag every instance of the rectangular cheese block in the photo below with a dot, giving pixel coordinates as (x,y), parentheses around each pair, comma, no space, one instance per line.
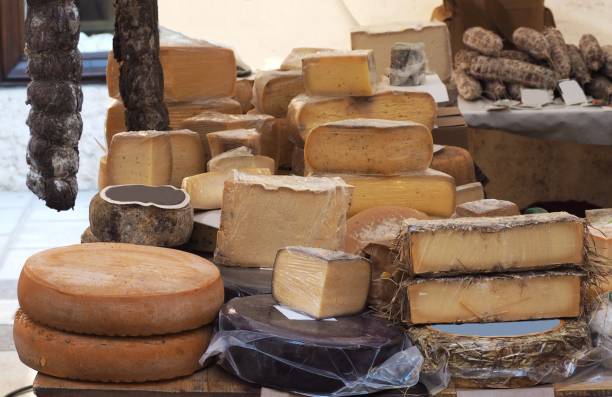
(381,39)
(193,69)
(470,192)
(262,214)
(293,61)
(306,112)
(204,235)
(503,297)
(429,191)
(102,176)
(476,245)
(177,113)
(240,157)
(600,232)
(187,155)
(487,208)
(319,282)
(140,157)
(273,90)
(206,190)
(244,93)
(369,146)
(339,73)
(223,141)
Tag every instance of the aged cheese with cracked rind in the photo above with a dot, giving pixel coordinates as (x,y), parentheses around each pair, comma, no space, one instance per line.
(476,245)
(223,141)
(102,176)
(206,190)
(204,235)
(251,232)
(340,73)
(138,214)
(429,191)
(306,112)
(188,157)
(120,289)
(487,208)
(376,224)
(293,61)
(244,93)
(408,64)
(106,358)
(469,192)
(319,282)
(369,146)
(140,157)
(273,90)
(497,297)
(600,231)
(456,162)
(238,158)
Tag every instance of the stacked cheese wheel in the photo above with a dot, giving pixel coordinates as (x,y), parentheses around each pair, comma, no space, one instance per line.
(116,312)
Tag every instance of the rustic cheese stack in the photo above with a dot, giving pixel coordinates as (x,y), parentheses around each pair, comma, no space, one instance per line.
(108,312)
(599,224)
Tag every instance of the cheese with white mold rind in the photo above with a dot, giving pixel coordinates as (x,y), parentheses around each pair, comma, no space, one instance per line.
(488,208)
(188,156)
(262,214)
(238,158)
(273,90)
(223,141)
(321,283)
(369,146)
(476,245)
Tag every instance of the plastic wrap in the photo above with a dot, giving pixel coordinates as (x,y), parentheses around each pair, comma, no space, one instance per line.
(408,64)
(353,355)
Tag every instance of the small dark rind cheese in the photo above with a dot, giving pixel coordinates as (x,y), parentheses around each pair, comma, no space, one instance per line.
(135,216)
(204,234)
(108,359)
(239,282)
(408,64)
(303,356)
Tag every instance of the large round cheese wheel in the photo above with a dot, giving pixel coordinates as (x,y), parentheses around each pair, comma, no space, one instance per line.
(120,289)
(108,359)
(456,162)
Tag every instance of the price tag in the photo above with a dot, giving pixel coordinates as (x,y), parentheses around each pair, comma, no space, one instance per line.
(572,93)
(293,315)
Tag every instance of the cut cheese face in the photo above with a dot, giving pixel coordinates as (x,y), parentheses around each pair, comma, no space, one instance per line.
(434,35)
(244,93)
(369,146)
(509,297)
(120,289)
(102,176)
(474,245)
(306,112)
(456,162)
(488,208)
(293,61)
(262,214)
(274,89)
(339,73)
(140,157)
(240,158)
(430,191)
(188,157)
(470,192)
(321,283)
(223,141)
(206,190)
(205,227)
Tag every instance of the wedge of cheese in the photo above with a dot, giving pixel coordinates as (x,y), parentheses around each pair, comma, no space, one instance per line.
(238,158)
(339,73)
(223,141)
(204,235)
(456,162)
(487,208)
(206,190)
(260,216)
(502,297)
(274,89)
(193,69)
(293,61)
(244,93)
(429,191)
(320,283)
(140,157)
(306,112)
(470,192)
(369,146)
(380,39)
(102,176)
(476,245)
(188,157)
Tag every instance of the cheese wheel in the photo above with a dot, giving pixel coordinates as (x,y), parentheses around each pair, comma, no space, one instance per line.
(456,162)
(120,289)
(108,359)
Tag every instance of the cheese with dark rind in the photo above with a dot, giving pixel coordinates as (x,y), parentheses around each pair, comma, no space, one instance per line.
(487,207)
(204,235)
(456,162)
(106,358)
(120,289)
(88,237)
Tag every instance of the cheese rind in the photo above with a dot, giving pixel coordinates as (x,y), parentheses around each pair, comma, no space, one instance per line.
(262,214)
(88,237)
(108,359)
(320,283)
(600,231)
(273,90)
(223,141)
(337,73)
(205,227)
(102,175)
(475,245)
(456,162)
(244,93)
(120,289)
(240,158)
(188,157)
(488,208)
(293,61)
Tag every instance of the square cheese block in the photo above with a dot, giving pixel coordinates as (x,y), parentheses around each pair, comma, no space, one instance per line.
(206,190)
(306,112)
(140,157)
(477,245)
(428,191)
(262,214)
(381,39)
(600,231)
(187,155)
(240,157)
(193,69)
(274,89)
(223,141)
(102,176)
(293,61)
(503,297)
(487,208)
(244,93)
(470,192)
(320,282)
(177,112)
(337,73)
(369,146)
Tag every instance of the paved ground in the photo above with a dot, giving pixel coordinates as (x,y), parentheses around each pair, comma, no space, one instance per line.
(26,227)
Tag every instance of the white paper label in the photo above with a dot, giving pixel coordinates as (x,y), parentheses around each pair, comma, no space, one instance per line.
(546,391)
(265,392)
(572,93)
(536,98)
(293,315)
